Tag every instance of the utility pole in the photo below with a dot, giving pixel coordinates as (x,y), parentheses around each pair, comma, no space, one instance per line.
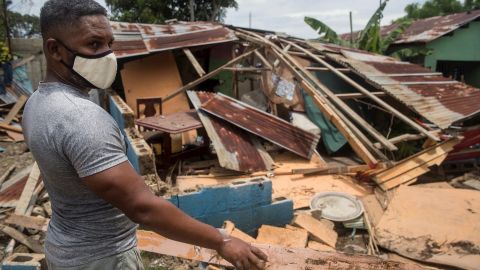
(192,10)
(5,22)
(351,29)
(250,20)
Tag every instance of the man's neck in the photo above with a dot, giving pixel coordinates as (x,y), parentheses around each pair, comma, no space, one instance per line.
(53,77)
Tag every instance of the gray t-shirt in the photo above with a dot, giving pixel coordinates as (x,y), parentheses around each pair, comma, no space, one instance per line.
(71,138)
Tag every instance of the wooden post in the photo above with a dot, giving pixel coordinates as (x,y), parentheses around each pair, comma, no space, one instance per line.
(193,60)
(206,77)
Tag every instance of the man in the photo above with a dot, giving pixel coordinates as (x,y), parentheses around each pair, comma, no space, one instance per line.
(96,195)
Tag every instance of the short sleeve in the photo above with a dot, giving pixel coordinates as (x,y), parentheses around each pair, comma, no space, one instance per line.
(93,143)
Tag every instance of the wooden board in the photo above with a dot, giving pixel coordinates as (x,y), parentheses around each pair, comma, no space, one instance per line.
(37,223)
(416,161)
(154,76)
(22,238)
(279,258)
(411,176)
(319,246)
(282,236)
(28,191)
(434,225)
(15,110)
(317,229)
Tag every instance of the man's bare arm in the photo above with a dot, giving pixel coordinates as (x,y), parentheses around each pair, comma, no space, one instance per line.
(125,189)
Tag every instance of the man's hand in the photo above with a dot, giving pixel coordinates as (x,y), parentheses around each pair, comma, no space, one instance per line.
(242,255)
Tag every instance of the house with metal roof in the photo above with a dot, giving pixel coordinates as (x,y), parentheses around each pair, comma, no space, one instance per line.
(453,41)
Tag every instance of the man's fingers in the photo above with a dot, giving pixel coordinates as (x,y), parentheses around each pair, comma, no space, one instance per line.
(246,264)
(259,253)
(256,261)
(239,266)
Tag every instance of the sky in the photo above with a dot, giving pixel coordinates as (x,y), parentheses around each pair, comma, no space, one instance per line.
(287,15)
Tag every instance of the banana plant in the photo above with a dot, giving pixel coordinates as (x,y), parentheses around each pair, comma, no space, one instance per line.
(370,38)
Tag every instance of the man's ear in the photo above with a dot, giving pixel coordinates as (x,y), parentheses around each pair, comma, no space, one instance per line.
(52,49)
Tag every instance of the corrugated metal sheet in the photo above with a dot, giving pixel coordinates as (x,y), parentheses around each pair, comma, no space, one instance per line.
(262,124)
(236,149)
(426,30)
(430,29)
(440,100)
(138,39)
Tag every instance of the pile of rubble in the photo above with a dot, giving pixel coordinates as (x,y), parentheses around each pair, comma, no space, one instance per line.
(322,156)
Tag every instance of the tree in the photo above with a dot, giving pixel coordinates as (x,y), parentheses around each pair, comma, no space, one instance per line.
(155,11)
(369,39)
(20,25)
(432,8)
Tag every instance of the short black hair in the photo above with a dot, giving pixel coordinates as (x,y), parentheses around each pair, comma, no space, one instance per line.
(58,14)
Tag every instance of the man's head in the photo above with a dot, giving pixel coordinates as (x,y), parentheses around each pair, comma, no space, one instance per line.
(72,27)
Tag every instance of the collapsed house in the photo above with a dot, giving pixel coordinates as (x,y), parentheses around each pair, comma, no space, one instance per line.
(255,131)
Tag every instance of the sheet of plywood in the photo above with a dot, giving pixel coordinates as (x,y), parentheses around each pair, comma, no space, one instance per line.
(435,225)
(154,76)
(373,208)
(282,236)
(301,189)
(318,230)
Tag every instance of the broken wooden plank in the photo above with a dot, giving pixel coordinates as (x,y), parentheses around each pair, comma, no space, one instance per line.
(193,60)
(191,85)
(278,257)
(5,175)
(28,192)
(282,236)
(317,229)
(415,165)
(34,245)
(15,110)
(358,95)
(235,232)
(36,223)
(263,59)
(236,150)
(411,176)
(262,124)
(10,128)
(403,138)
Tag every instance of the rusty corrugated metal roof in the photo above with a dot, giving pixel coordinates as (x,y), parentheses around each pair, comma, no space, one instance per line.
(236,149)
(429,29)
(132,39)
(438,99)
(262,124)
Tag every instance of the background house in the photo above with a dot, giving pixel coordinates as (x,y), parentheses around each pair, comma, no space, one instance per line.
(454,42)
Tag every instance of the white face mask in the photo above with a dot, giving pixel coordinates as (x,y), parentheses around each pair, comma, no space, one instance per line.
(99,69)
